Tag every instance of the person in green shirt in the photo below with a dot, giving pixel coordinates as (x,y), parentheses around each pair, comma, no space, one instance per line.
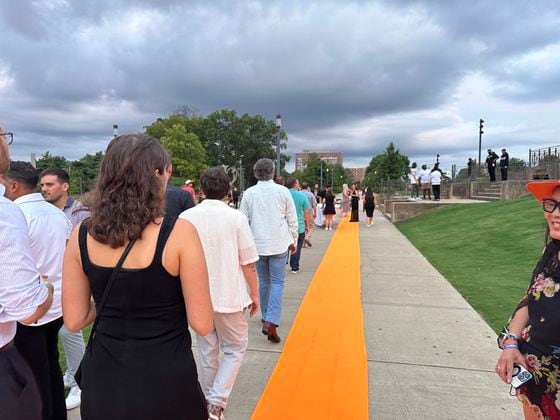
(303,210)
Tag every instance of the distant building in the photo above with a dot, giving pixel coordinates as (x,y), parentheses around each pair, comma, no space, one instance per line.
(358,174)
(331,158)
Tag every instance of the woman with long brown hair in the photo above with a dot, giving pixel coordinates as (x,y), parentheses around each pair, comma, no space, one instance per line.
(138,363)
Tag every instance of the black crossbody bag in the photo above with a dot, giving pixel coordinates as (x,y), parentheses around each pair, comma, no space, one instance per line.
(99,310)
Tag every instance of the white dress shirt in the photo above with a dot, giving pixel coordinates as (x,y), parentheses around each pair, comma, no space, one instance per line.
(21,290)
(48,229)
(228,244)
(271,212)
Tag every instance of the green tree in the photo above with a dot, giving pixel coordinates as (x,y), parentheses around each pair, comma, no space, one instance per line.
(50,161)
(228,139)
(391,164)
(187,153)
(83,172)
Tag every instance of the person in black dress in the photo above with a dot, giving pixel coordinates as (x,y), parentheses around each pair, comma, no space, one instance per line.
(531,336)
(369,204)
(139,364)
(354,203)
(329,210)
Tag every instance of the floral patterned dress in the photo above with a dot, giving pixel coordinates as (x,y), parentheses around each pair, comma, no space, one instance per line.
(540,339)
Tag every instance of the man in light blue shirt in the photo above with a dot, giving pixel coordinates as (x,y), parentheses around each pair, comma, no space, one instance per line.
(303,210)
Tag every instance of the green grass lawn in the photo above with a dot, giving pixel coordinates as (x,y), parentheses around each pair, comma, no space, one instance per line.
(486,251)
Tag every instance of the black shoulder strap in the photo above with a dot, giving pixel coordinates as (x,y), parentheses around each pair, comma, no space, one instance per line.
(114,274)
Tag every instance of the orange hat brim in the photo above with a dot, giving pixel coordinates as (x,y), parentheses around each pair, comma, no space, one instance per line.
(542,189)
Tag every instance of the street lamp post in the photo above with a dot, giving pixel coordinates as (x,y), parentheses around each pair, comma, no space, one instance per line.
(321,174)
(241,186)
(278,127)
(480,132)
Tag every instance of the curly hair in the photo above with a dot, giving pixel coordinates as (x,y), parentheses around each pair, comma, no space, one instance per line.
(128,195)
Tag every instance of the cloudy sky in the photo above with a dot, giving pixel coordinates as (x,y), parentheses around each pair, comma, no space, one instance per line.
(345,75)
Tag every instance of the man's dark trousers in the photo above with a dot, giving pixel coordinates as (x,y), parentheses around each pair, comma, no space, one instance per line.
(39,348)
(504,173)
(492,173)
(19,395)
(294,258)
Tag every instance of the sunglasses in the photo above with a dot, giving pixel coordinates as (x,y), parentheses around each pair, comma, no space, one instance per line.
(549,205)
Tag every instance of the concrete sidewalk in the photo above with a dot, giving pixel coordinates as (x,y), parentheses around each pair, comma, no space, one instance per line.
(430,355)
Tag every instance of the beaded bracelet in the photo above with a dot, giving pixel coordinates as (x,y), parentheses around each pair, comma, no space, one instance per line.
(510,346)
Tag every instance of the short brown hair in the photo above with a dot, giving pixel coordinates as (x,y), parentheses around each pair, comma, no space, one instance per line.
(215,183)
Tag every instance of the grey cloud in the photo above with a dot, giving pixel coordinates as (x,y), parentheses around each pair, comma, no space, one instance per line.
(320,64)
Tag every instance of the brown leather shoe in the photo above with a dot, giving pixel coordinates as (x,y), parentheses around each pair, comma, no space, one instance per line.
(272,334)
(265,327)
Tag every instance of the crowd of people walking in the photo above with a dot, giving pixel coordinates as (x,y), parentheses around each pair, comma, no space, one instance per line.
(141,262)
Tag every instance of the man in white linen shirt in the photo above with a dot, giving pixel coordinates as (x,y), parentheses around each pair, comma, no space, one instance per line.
(231,254)
(271,212)
(23,297)
(48,231)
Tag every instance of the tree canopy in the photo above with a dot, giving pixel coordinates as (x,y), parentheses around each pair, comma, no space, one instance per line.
(187,153)
(391,164)
(228,139)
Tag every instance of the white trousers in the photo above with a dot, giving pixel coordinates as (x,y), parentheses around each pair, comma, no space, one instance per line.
(230,334)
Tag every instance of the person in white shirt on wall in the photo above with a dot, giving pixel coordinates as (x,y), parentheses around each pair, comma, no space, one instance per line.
(24,297)
(271,212)
(435,180)
(48,231)
(55,187)
(231,254)
(424,176)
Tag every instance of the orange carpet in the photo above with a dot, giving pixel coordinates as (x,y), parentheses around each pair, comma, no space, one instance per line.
(322,371)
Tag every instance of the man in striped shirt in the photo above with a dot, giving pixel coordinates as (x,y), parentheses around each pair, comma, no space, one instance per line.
(24,298)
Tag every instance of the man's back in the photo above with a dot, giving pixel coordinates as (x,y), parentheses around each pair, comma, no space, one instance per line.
(272,216)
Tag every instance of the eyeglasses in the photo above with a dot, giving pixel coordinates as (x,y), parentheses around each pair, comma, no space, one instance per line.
(549,205)
(9,137)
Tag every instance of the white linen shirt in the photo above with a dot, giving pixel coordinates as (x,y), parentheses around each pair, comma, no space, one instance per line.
(271,212)
(435,178)
(48,229)
(228,244)
(21,290)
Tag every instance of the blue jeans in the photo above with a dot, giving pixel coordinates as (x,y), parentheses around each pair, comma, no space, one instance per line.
(271,270)
(294,258)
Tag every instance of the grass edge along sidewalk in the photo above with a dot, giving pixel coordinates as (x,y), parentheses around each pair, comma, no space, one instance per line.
(322,371)
(486,251)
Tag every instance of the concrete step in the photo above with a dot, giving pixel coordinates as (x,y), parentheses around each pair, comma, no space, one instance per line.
(486,197)
(497,188)
(489,194)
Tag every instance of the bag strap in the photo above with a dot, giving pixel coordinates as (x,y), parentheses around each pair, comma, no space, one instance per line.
(107,289)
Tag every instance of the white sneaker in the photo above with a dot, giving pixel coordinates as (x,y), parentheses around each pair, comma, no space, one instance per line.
(74,398)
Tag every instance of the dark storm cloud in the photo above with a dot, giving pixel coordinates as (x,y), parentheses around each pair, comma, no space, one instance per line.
(70,69)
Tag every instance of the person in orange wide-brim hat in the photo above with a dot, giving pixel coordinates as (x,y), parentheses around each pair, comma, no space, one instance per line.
(542,189)
(530,340)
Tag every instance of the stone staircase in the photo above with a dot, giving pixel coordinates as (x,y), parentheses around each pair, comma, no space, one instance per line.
(490,192)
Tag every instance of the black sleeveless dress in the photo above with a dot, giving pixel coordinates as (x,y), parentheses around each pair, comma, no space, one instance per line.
(140,364)
(329,205)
